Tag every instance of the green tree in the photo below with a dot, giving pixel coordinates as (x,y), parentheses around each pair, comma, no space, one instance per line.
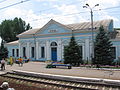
(9,29)
(102,50)
(72,53)
(3,51)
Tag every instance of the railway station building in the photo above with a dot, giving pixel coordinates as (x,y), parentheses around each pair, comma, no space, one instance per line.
(48,42)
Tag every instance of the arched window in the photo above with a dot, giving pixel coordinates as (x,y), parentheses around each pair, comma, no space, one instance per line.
(53,44)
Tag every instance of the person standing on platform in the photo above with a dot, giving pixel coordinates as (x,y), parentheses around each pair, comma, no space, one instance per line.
(3,64)
(20,62)
(11,60)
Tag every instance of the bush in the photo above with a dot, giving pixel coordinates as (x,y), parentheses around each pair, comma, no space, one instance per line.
(49,66)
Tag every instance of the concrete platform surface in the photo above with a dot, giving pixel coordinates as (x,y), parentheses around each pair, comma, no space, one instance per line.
(39,67)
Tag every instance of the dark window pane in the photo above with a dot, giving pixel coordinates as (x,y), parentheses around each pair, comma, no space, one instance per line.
(13,52)
(113,49)
(80,50)
(17,52)
(42,52)
(32,52)
(24,52)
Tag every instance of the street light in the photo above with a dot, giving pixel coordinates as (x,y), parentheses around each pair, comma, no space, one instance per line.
(91,11)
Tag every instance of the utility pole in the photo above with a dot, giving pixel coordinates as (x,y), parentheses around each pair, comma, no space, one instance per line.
(91,11)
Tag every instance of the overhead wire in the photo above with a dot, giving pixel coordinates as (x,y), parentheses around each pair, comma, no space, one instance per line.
(78,13)
(110,8)
(54,8)
(14,4)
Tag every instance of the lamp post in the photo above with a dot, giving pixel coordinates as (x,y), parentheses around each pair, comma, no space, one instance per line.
(91,11)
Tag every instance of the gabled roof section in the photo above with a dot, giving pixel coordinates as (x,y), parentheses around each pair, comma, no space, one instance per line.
(78,26)
(29,32)
(12,43)
(87,25)
(34,31)
(53,22)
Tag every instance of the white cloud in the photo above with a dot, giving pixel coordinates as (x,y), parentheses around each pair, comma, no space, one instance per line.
(12,12)
(63,11)
(67,9)
(46,0)
(68,14)
(105,15)
(63,17)
(103,3)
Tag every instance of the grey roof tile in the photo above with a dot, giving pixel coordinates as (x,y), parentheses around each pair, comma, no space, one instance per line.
(76,26)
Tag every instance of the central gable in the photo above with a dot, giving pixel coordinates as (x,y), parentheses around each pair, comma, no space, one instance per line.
(53,27)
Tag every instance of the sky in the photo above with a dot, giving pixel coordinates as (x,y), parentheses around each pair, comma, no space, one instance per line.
(39,12)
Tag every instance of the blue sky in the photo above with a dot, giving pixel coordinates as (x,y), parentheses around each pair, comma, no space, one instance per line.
(39,12)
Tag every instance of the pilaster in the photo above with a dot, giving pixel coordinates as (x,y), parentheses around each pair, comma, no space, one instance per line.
(19,49)
(28,50)
(59,51)
(48,50)
(37,48)
(87,49)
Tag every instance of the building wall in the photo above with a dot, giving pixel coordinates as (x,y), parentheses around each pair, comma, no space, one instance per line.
(61,41)
(61,35)
(116,44)
(10,48)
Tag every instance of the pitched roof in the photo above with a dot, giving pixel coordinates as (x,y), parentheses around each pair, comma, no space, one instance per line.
(29,32)
(12,43)
(34,31)
(77,26)
(87,25)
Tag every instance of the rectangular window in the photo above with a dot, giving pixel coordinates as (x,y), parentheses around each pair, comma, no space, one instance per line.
(42,52)
(32,52)
(113,49)
(13,52)
(24,52)
(80,50)
(17,52)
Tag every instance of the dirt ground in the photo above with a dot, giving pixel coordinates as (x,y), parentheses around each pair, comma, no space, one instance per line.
(40,67)
(21,86)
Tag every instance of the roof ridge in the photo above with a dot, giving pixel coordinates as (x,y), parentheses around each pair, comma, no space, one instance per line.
(88,22)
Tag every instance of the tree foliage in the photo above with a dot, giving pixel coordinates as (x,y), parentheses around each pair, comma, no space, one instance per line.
(102,50)
(3,51)
(72,53)
(9,29)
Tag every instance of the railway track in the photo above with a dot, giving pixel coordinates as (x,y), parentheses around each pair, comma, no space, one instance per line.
(60,83)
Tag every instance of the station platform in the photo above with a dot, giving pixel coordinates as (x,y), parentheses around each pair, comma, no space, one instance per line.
(40,67)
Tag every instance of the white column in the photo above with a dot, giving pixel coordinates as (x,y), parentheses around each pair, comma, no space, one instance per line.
(83,48)
(117,52)
(19,49)
(87,48)
(90,50)
(84,54)
(37,48)
(28,50)
(40,52)
(59,50)
(62,51)
(14,53)
(48,50)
